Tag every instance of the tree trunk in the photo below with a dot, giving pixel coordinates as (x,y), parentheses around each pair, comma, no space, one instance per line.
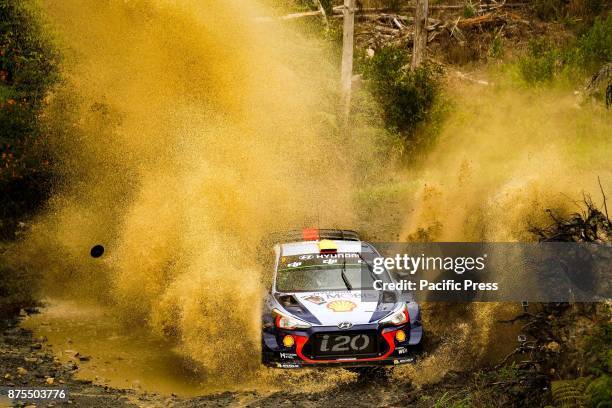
(322,11)
(420,33)
(347,57)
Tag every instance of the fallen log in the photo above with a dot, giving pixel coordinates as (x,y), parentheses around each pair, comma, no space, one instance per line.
(474,21)
(289,16)
(398,24)
(338,9)
(465,77)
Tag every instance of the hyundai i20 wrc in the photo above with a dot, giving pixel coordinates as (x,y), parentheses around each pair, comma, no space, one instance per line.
(322,308)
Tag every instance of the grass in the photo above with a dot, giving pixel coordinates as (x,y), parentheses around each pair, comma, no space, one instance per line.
(448,400)
(469,10)
(539,64)
(545,61)
(496,49)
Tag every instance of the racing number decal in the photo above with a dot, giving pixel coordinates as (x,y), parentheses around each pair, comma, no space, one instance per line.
(365,342)
(345,343)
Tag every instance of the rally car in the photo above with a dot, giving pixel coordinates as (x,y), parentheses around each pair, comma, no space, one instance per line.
(322,308)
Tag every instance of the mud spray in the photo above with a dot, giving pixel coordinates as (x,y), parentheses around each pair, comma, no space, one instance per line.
(506,155)
(185,131)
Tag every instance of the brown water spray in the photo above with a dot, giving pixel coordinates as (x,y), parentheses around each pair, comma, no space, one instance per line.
(185,131)
(505,155)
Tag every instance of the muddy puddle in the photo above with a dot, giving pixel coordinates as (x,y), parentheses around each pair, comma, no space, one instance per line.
(109,353)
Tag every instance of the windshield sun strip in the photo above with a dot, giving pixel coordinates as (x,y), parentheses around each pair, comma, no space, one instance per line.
(314,266)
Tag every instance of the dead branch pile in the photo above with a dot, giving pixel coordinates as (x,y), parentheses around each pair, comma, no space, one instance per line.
(590,226)
(379,29)
(479,7)
(600,81)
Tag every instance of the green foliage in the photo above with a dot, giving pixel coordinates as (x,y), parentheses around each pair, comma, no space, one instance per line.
(539,63)
(448,400)
(595,46)
(583,57)
(496,49)
(595,393)
(569,393)
(406,96)
(599,393)
(583,392)
(469,10)
(27,71)
(598,351)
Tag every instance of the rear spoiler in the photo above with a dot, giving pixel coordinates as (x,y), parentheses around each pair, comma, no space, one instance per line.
(313,234)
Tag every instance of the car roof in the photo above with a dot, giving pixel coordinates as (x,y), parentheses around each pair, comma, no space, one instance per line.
(312,247)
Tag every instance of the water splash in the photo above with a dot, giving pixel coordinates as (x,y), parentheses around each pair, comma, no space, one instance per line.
(505,155)
(183,132)
(186,130)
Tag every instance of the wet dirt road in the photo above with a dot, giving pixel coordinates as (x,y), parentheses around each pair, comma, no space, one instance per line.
(106,364)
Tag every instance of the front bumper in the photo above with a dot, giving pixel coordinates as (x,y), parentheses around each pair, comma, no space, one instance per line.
(391,352)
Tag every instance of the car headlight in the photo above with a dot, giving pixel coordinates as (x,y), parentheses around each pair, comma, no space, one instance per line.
(398,317)
(283,321)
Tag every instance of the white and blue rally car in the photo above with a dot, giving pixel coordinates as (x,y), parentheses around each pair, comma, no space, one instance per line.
(322,308)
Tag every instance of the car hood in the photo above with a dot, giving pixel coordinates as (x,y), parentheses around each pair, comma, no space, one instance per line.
(329,308)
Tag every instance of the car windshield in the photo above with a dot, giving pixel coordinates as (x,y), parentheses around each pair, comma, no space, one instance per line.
(322,272)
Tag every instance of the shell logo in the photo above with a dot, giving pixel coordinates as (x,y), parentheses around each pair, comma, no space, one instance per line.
(341,305)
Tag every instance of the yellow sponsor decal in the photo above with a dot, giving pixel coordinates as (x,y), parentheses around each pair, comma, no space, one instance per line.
(341,305)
